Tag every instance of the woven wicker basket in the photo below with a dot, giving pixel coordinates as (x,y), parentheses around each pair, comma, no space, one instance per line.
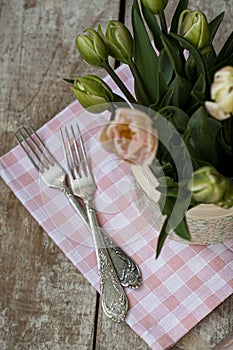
(207,223)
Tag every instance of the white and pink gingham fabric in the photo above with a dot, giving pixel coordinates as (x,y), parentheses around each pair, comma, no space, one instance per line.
(179,289)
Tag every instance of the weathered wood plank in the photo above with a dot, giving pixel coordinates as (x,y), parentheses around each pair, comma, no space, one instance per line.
(45,302)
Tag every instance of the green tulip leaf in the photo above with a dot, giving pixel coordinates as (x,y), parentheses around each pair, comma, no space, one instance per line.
(71,81)
(227,61)
(176,116)
(173,53)
(210,55)
(181,93)
(214,25)
(226,50)
(162,237)
(199,89)
(180,207)
(166,101)
(203,132)
(166,66)
(142,43)
(171,192)
(195,54)
(182,230)
(210,58)
(153,26)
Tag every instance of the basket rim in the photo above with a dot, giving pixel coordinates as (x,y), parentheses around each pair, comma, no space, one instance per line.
(147,181)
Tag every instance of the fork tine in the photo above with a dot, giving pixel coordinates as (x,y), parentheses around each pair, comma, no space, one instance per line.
(39,155)
(72,153)
(67,153)
(77,153)
(88,169)
(40,160)
(26,137)
(25,149)
(49,158)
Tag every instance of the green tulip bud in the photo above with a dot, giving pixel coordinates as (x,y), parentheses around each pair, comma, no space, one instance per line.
(119,41)
(155,6)
(208,186)
(92,48)
(93,93)
(193,26)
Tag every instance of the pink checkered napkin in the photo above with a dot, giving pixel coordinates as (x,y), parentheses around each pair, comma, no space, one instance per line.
(178,290)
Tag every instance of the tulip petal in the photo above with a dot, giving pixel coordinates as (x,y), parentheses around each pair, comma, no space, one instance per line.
(131,137)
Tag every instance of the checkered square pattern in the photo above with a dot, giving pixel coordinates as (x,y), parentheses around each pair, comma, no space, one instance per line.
(178,289)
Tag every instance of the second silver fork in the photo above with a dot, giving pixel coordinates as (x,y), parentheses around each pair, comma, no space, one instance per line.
(114,300)
(55,176)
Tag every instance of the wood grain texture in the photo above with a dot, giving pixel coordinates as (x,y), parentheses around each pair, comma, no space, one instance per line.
(45,302)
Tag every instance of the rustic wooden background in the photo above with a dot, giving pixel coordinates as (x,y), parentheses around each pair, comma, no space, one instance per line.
(45,302)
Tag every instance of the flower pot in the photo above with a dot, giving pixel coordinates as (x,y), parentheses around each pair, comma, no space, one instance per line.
(207,223)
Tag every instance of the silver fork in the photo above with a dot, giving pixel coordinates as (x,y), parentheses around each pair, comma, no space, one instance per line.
(54,175)
(114,300)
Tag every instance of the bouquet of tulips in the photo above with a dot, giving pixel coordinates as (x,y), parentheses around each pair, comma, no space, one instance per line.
(179,118)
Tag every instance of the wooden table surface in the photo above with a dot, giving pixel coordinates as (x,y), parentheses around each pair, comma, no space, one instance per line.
(45,302)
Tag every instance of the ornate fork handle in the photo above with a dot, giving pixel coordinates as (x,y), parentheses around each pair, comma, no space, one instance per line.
(114,300)
(128,272)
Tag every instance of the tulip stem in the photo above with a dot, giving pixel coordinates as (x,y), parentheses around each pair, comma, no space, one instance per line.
(139,81)
(163,22)
(118,81)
